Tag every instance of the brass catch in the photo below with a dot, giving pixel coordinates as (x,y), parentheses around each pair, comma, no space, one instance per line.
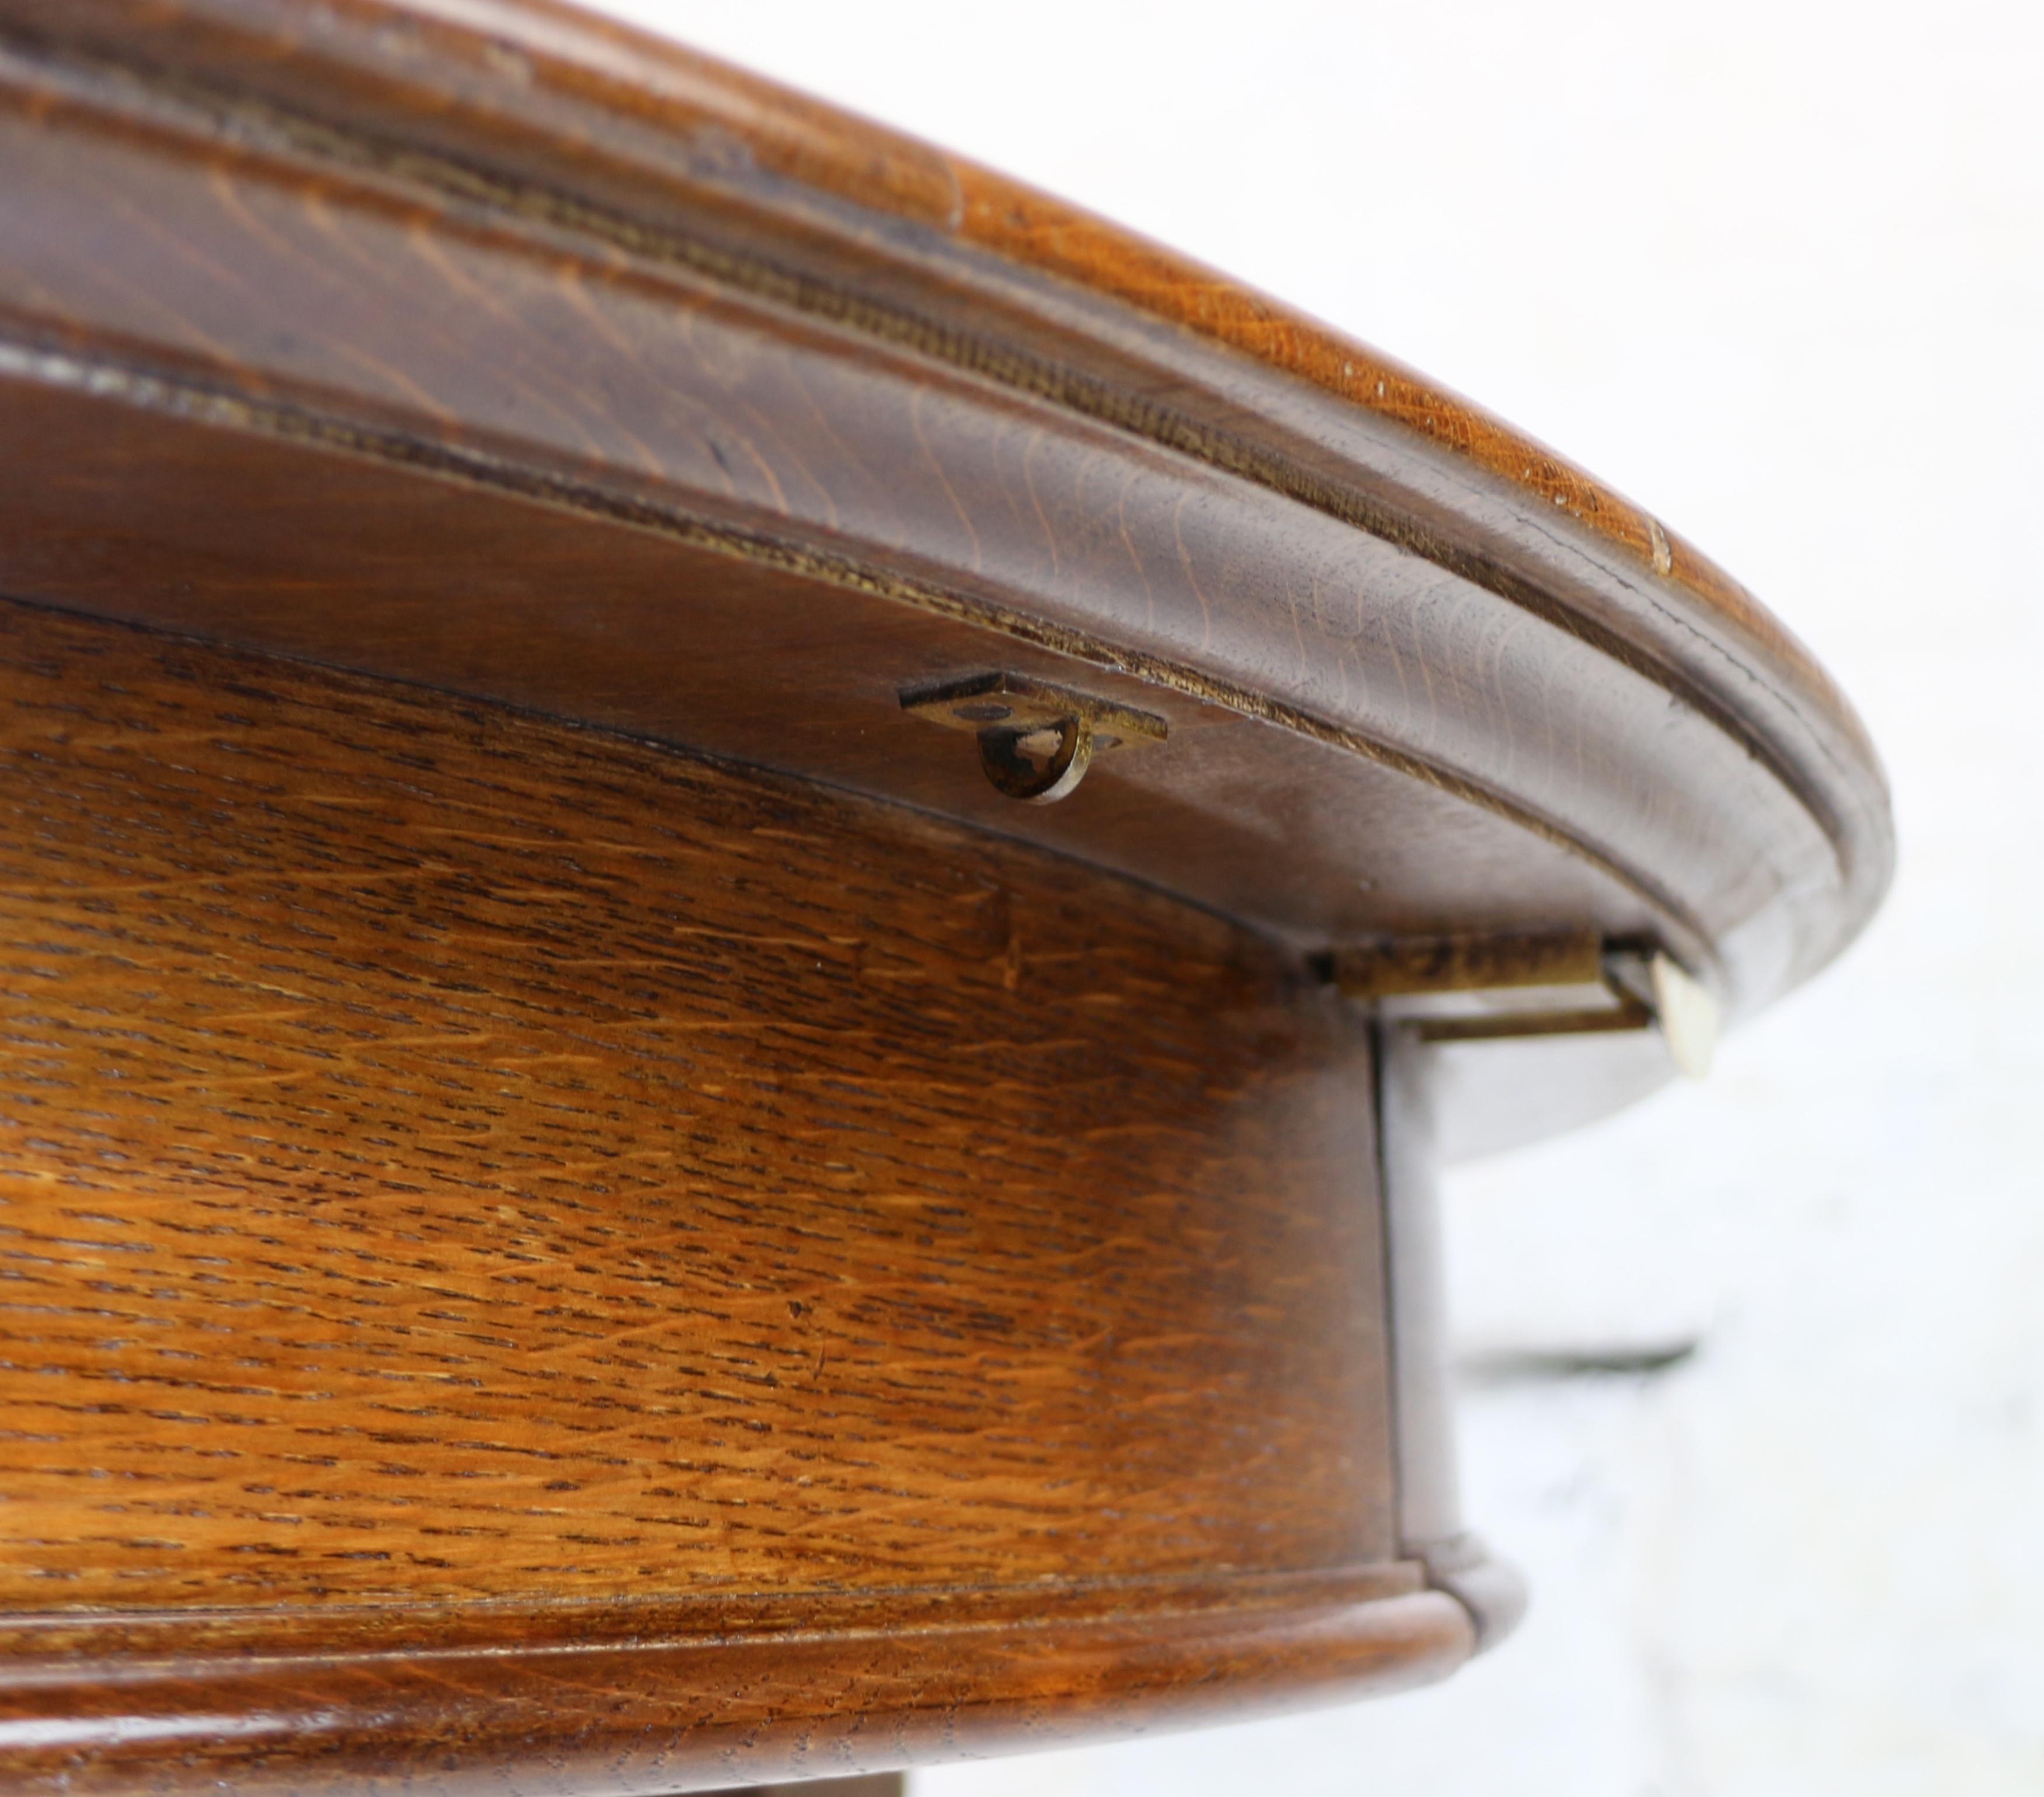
(1460,988)
(1036,740)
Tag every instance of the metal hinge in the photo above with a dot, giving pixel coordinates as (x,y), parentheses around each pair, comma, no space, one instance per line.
(1460,988)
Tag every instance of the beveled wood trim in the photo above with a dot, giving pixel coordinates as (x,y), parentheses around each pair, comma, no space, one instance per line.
(923,1680)
(442,70)
(1106,469)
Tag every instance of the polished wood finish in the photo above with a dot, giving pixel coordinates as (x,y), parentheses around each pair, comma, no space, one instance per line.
(563,91)
(591,1205)
(472,1181)
(724,373)
(668,1702)
(801,1141)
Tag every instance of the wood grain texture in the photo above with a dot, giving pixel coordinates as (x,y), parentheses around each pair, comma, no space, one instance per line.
(526,69)
(533,1261)
(450,1156)
(349,561)
(524,251)
(563,1713)
(538,1233)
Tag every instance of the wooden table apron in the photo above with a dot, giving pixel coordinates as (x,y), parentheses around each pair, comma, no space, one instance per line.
(650,1273)
(587,1205)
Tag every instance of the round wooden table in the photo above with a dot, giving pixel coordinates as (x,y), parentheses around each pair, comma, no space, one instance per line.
(747,877)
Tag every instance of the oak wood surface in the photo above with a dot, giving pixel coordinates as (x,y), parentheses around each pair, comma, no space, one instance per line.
(708,1706)
(584,1206)
(514,249)
(449,1155)
(470,1186)
(477,592)
(647,108)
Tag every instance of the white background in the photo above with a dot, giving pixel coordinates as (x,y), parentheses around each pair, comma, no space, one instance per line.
(1775,271)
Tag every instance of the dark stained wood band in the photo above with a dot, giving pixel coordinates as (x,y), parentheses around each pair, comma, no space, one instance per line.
(653,1716)
(865,1784)
(659,333)
(529,66)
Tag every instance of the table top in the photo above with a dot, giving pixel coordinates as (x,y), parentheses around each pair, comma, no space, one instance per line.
(698,797)
(502,349)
